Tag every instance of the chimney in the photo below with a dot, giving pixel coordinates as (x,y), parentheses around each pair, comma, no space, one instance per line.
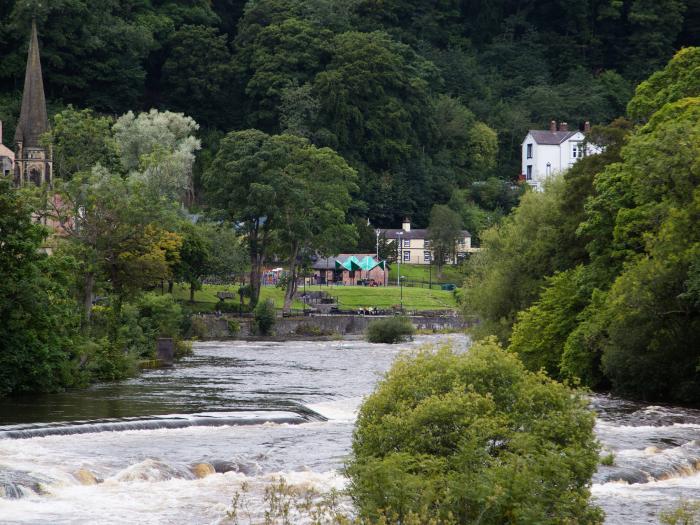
(406,226)
(587,127)
(553,126)
(564,127)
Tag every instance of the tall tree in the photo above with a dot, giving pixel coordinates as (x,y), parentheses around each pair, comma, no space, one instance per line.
(39,320)
(444,231)
(284,194)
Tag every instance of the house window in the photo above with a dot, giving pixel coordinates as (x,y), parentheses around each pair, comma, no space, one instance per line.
(406,256)
(577,151)
(352,274)
(426,244)
(529,151)
(528,175)
(407,243)
(427,256)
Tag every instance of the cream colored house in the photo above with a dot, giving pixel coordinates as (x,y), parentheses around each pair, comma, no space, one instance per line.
(415,246)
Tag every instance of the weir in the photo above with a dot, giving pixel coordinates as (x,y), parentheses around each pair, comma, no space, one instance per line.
(174,445)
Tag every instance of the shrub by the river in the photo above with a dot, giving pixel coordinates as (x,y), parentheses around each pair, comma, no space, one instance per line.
(234,327)
(265,317)
(390,330)
(473,437)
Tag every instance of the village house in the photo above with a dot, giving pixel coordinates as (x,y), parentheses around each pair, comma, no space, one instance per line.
(548,152)
(350,269)
(7,158)
(414,246)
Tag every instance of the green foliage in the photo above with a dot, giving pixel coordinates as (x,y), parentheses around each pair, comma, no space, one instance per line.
(197,74)
(679,79)
(234,327)
(288,197)
(507,275)
(542,330)
(265,316)
(80,140)
(685,513)
(39,319)
(444,231)
(473,437)
(391,330)
(624,314)
(608,460)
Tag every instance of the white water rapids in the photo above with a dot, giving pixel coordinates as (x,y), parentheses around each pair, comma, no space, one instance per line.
(256,411)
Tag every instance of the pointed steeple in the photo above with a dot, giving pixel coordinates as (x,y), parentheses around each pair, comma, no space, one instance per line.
(33,119)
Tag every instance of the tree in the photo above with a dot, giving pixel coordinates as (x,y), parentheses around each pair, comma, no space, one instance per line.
(467,437)
(284,193)
(115,232)
(277,48)
(208,250)
(679,79)
(39,320)
(197,75)
(81,139)
(444,231)
(195,257)
(157,148)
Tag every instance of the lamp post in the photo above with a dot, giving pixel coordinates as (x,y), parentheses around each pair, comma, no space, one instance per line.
(401,288)
(377,231)
(400,256)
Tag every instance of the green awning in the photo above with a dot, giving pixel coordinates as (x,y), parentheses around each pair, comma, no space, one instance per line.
(351,264)
(368,263)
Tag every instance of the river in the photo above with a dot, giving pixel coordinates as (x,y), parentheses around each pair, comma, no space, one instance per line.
(257,411)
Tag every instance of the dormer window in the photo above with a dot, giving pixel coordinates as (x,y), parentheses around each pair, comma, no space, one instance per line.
(529,151)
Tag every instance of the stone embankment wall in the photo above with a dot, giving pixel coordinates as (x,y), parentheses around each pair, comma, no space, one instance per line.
(218,327)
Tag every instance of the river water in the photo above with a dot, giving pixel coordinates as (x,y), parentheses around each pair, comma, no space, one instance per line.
(258,411)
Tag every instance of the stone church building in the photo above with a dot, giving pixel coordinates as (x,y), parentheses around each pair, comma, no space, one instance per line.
(31,161)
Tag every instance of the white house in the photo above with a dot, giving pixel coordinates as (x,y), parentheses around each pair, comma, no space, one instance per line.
(546,153)
(415,245)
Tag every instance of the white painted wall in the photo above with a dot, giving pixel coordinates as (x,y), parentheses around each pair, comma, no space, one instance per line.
(548,160)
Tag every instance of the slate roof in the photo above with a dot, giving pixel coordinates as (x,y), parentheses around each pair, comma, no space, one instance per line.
(328,263)
(33,119)
(413,234)
(551,138)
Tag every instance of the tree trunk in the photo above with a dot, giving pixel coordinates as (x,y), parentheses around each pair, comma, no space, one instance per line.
(291,281)
(255,276)
(170,286)
(192,290)
(88,286)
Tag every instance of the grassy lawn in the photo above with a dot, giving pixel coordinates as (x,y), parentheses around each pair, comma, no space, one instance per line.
(206,299)
(421,272)
(349,297)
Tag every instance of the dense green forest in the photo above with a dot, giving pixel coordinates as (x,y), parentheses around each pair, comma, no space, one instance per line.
(428,101)
(597,279)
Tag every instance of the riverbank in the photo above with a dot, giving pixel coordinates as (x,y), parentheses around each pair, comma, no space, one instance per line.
(256,411)
(230,326)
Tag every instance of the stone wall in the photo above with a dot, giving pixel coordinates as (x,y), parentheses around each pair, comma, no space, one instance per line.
(218,327)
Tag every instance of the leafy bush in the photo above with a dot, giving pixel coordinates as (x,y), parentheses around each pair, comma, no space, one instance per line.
(234,327)
(107,361)
(390,330)
(265,317)
(473,437)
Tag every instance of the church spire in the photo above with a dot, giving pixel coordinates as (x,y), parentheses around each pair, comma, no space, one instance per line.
(33,119)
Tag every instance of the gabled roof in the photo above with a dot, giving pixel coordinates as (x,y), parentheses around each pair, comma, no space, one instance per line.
(413,234)
(551,138)
(33,120)
(328,263)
